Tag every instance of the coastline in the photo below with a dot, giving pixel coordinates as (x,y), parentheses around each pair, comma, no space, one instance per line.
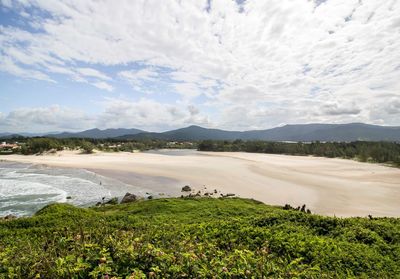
(327,186)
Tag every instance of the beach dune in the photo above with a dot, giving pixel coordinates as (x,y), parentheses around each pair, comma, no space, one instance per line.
(327,186)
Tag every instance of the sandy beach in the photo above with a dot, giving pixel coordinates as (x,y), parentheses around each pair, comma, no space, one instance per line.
(327,186)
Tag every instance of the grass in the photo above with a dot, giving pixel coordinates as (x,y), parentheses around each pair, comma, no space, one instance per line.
(196,238)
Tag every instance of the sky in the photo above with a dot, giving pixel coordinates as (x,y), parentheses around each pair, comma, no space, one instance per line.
(159,65)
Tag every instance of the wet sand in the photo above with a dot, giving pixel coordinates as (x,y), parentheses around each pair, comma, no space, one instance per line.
(327,186)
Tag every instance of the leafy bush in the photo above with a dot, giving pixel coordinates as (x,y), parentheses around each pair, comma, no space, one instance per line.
(196,238)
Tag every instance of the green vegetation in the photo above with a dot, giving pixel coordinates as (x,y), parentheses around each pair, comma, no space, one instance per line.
(39,145)
(196,238)
(376,152)
(87,147)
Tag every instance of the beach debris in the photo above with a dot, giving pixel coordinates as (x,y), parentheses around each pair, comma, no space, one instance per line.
(129,198)
(186,188)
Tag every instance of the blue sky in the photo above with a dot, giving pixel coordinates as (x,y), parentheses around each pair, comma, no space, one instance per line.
(238,65)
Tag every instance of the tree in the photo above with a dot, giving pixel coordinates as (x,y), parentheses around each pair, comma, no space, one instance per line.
(87,147)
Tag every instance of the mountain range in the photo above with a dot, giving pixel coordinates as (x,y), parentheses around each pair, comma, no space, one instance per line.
(299,132)
(302,132)
(98,134)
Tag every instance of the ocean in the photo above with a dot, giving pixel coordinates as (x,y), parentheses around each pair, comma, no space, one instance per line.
(26,188)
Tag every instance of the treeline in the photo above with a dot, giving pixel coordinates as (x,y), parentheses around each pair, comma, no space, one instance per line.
(379,152)
(39,145)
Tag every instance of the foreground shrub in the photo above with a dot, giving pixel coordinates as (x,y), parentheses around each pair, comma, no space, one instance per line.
(196,238)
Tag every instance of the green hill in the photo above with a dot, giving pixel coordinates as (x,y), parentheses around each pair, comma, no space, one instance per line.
(196,238)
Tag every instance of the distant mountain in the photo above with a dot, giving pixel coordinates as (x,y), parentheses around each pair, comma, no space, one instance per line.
(328,132)
(188,133)
(16,135)
(302,132)
(98,134)
(5,136)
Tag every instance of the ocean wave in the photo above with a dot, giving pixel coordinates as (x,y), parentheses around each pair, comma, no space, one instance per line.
(25,189)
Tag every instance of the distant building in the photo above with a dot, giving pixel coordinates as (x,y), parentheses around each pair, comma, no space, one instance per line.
(5,145)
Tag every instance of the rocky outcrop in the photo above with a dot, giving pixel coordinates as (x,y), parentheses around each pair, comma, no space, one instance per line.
(129,198)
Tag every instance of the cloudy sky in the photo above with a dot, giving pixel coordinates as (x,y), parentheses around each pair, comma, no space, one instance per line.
(157,65)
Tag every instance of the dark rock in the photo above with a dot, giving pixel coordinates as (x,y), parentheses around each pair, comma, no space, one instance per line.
(112,201)
(150,197)
(129,198)
(69,197)
(229,195)
(98,204)
(215,191)
(186,188)
(287,207)
(10,217)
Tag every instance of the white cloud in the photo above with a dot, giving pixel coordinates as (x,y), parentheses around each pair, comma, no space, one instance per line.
(9,66)
(89,72)
(147,114)
(103,85)
(137,78)
(306,61)
(340,109)
(43,119)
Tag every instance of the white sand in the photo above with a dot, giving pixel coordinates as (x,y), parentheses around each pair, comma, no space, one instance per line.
(326,186)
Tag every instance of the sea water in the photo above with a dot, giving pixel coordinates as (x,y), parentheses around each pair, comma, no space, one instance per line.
(25,188)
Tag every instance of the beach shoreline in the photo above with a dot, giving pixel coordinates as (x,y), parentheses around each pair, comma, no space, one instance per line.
(327,186)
